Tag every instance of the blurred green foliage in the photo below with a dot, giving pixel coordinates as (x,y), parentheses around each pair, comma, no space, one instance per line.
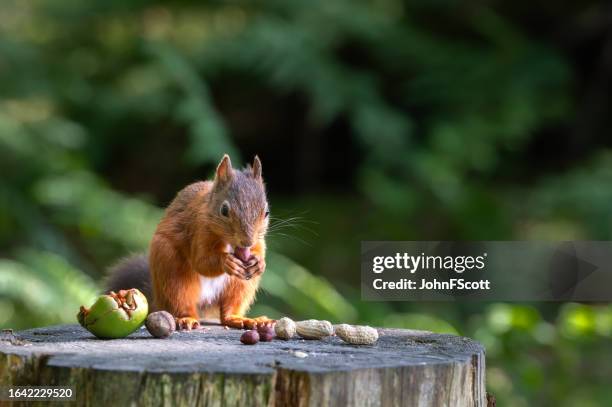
(441,99)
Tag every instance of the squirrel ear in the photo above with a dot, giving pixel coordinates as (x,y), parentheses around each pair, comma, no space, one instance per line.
(224,170)
(256,167)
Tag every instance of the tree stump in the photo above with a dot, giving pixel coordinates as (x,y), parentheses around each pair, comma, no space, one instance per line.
(211,367)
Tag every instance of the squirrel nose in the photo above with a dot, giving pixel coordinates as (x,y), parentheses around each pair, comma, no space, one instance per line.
(246,243)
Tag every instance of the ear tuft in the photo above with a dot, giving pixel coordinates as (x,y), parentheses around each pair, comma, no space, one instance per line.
(224,170)
(256,168)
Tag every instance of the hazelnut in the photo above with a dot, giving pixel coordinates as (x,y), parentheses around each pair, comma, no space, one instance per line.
(160,324)
(266,333)
(250,337)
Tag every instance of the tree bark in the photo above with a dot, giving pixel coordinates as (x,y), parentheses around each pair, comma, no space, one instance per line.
(210,367)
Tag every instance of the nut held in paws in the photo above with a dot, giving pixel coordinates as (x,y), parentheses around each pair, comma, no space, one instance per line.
(243,253)
(160,324)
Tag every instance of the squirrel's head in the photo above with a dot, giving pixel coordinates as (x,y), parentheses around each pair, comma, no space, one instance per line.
(239,211)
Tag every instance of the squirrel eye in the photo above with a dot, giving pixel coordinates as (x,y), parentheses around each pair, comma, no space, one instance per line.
(225,209)
(266,214)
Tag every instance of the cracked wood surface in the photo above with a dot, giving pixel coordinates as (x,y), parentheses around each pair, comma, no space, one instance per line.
(210,367)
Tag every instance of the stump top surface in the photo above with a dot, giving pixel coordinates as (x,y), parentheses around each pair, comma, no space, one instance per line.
(215,349)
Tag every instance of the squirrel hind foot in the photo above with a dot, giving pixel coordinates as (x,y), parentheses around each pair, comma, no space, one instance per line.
(187,323)
(238,322)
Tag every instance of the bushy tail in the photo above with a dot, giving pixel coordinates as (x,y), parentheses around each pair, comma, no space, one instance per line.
(131,272)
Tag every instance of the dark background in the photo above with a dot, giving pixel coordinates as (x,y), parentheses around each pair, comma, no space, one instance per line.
(375,120)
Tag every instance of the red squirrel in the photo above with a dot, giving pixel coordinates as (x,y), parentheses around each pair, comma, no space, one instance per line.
(207,251)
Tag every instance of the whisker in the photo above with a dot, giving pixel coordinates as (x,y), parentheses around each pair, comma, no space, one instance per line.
(291,219)
(292,237)
(294,227)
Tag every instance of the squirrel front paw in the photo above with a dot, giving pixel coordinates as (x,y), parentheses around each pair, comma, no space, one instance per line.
(255,267)
(233,266)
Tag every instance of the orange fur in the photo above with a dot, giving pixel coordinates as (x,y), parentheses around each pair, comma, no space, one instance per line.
(194,240)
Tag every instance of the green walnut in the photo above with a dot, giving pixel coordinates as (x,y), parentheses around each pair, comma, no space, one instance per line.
(115,315)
